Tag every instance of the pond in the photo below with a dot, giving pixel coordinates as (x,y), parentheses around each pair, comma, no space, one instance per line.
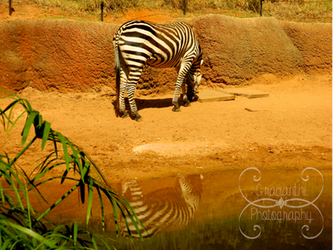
(250,209)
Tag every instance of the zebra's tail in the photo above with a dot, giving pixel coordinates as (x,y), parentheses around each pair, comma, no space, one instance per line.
(117,68)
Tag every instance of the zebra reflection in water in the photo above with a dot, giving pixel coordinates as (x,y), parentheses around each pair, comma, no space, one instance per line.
(163,209)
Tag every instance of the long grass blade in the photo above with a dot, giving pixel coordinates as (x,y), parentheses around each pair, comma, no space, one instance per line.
(22,151)
(63,178)
(27,126)
(5,245)
(14,187)
(74,232)
(13,123)
(53,138)
(12,104)
(90,198)
(101,239)
(8,233)
(26,104)
(46,132)
(64,146)
(76,153)
(82,191)
(28,232)
(2,195)
(102,206)
(57,202)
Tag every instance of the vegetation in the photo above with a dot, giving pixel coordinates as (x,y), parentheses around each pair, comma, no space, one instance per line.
(21,225)
(297,10)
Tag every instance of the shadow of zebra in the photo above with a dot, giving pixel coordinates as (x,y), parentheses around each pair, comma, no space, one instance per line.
(151,103)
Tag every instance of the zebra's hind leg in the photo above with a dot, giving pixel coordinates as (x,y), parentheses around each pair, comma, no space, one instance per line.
(133,78)
(123,83)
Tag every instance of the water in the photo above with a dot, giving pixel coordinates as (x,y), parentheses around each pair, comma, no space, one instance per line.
(250,209)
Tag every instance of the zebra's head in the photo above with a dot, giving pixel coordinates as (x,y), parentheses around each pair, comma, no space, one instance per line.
(194,75)
(197,78)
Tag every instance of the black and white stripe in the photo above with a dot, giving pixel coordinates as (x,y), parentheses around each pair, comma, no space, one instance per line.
(164,209)
(139,43)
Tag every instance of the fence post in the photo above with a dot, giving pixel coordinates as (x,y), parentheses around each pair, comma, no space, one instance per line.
(102,6)
(184,11)
(10,7)
(260,7)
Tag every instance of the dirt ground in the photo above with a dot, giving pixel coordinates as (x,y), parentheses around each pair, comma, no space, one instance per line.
(292,128)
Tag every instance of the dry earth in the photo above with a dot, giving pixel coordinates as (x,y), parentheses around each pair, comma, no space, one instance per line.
(290,129)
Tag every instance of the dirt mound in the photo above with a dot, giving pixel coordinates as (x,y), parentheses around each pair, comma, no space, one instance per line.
(314,41)
(70,55)
(237,50)
(58,54)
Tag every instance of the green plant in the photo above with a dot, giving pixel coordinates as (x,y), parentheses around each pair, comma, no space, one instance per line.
(21,226)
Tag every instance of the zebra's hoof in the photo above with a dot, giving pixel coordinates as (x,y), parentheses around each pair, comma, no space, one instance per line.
(124,115)
(187,103)
(138,118)
(176,109)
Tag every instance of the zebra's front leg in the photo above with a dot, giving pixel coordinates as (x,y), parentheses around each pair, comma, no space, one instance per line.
(185,98)
(176,107)
(180,81)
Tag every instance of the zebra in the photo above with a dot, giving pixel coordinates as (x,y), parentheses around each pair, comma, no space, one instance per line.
(165,209)
(138,43)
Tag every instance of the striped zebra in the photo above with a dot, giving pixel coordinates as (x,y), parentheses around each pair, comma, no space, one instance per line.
(139,43)
(164,209)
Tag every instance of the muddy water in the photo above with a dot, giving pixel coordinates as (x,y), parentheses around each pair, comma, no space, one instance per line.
(250,209)
(238,209)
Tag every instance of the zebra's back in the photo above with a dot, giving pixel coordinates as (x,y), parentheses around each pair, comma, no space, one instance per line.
(158,45)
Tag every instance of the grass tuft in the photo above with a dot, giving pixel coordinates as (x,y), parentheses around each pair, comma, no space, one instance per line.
(296,10)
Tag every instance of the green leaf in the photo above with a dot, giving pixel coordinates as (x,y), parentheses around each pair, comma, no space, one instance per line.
(7,232)
(82,192)
(13,123)
(76,154)
(57,202)
(90,196)
(13,181)
(63,178)
(102,208)
(5,245)
(28,232)
(27,105)
(74,232)
(64,146)
(9,106)
(27,126)
(46,132)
